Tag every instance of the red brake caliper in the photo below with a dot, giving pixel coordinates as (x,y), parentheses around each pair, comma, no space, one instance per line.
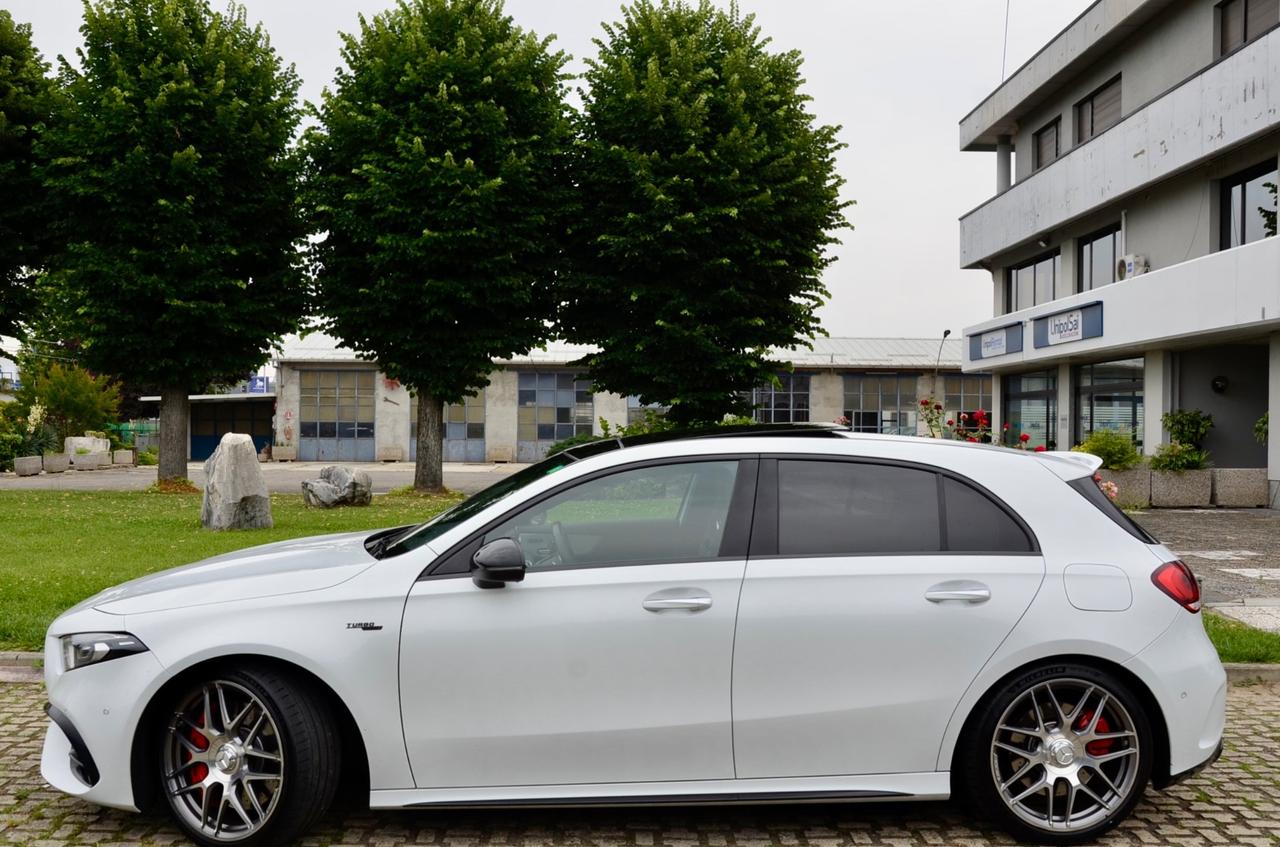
(1103,745)
(199,770)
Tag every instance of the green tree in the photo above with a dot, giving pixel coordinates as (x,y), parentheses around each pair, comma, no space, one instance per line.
(437,179)
(174,188)
(708,197)
(26,102)
(74,400)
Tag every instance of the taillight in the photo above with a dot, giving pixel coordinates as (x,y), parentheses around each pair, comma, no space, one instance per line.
(1176,579)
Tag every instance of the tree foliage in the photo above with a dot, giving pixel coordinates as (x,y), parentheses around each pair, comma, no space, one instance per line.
(26,102)
(174,190)
(437,180)
(74,400)
(708,197)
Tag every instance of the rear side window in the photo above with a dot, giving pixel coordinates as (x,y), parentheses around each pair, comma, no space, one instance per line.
(836,508)
(1088,488)
(975,524)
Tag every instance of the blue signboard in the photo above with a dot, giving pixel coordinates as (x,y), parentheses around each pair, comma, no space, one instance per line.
(1068,325)
(996,342)
(259,384)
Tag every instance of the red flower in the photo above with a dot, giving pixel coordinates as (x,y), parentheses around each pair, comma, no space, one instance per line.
(982,413)
(924,402)
(937,407)
(1025,437)
(1040,448)
(964,416)
(1006,426)
(974,440)
(951,423)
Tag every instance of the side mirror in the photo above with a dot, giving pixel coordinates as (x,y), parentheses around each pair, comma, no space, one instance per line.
(497,563)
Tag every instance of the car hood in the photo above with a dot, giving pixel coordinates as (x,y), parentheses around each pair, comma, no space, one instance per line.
(286,567)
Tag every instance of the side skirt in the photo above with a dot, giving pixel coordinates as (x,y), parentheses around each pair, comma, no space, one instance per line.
(878,787)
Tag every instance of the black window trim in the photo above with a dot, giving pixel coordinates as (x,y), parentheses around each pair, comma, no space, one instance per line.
(1226,184)
(1010,283)
(733,545)
(1087,239)
(764,535)
(1056,126)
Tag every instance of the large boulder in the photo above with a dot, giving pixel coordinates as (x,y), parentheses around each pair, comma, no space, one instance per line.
(338,486)
(235,493)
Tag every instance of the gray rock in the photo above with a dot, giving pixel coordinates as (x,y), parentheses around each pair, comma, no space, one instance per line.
(1181,489)
(56,462)
(27,465)
(235,493)
(1240,487)
(338,486)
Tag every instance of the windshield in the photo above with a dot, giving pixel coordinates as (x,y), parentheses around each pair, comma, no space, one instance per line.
(422,533)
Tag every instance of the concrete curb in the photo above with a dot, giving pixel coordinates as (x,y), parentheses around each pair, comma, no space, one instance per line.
(12,659)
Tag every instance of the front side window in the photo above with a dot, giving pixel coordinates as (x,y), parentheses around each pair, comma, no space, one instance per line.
(1097,259)
(1034,282)
(784,402)
(1098,112)
(1249,205)
(1046,144)
(1109,396)
(664,513)
(881,403)
(1241,21)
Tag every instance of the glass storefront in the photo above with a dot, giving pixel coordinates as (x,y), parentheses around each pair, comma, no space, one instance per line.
(1031,407)
(1108,395)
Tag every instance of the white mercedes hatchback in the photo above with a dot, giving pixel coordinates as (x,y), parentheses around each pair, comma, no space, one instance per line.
(797,614)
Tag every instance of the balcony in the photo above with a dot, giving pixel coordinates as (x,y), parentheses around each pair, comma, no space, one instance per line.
(1227,104)
(1232,294)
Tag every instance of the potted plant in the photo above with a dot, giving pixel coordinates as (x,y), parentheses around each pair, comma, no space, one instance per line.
(282,452)
(1180,475)
(1121,465)
(37,439)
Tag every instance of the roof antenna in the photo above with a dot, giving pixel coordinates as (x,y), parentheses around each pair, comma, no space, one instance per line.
(1005,51)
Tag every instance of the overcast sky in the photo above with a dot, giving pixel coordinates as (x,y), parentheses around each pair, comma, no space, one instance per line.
(898,76)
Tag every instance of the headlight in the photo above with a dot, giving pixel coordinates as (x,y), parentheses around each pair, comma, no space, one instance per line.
(90,648)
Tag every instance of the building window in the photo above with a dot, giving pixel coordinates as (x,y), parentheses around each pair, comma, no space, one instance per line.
(1031,408)
(1099,111)
(637,411)
(965,394)
(1034,282)
(1097,258)
(1109,396)
(336,415)
(785,402)
(552,406)
(881,403)
(463,429)
(1046,146)
(1249,205)
(1241,21)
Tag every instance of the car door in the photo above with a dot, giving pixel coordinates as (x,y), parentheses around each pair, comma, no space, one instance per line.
(610,661)
(874,594)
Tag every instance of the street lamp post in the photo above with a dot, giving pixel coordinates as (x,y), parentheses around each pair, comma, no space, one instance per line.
(938,362)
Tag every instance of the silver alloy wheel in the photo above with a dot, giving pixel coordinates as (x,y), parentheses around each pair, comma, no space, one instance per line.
(1065,755)
(223,761)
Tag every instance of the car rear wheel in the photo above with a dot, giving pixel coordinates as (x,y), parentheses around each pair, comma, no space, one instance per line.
(1059,755)
(248,757)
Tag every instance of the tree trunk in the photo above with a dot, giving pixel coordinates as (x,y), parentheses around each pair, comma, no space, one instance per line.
(174,410)
(428,470)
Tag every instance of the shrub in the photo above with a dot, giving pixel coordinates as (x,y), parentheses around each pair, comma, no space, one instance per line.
(149,456)
(1114,448)
(10,447)
(1260,428)
(75,400)
(1177,456)
(1187,426)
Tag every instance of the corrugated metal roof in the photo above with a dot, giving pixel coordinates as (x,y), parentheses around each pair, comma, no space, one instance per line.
(877,353)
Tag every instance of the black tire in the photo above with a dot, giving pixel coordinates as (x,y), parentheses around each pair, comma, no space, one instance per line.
(305,738)
(981,768)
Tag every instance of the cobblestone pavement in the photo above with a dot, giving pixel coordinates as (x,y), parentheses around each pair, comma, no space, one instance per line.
(1235,552)
(1237,802)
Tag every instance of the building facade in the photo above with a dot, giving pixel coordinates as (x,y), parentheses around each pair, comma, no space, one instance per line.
(1129,240)
(332,406)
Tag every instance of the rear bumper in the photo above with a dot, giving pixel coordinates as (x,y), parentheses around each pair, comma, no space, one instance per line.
(1174,779)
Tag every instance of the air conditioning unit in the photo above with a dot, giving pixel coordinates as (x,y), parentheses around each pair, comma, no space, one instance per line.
(1131,264)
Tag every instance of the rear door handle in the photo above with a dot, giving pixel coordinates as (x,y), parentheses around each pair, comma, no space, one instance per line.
(962,590)
(678,599)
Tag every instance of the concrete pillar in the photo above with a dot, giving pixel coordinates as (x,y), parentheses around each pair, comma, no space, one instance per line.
(611,407)
(996,412)
(826,396)
(391,404)
(1273,411)
(1157,397)
(500,404)
(1063,434)
(1004,163)
(288,404)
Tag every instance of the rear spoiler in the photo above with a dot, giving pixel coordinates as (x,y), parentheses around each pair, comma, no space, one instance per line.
(1069,464)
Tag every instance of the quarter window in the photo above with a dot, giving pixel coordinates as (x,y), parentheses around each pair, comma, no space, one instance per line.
(1249,206)
(1046,144)
(1098,112)
(665,513)
(977,525)
(1098,255)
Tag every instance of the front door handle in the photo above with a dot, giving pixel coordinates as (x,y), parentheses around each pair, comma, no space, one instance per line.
(678,599)
(962,590)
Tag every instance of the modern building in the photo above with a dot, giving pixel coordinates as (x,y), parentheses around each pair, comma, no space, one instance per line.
(332,406)
(1129,240)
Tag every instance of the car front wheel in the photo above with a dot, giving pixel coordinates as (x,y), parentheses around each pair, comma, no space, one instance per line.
(248,757)
(1060,754)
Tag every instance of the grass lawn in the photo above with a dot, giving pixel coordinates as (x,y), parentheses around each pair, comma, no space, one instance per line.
(1237,642)
(60,547)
